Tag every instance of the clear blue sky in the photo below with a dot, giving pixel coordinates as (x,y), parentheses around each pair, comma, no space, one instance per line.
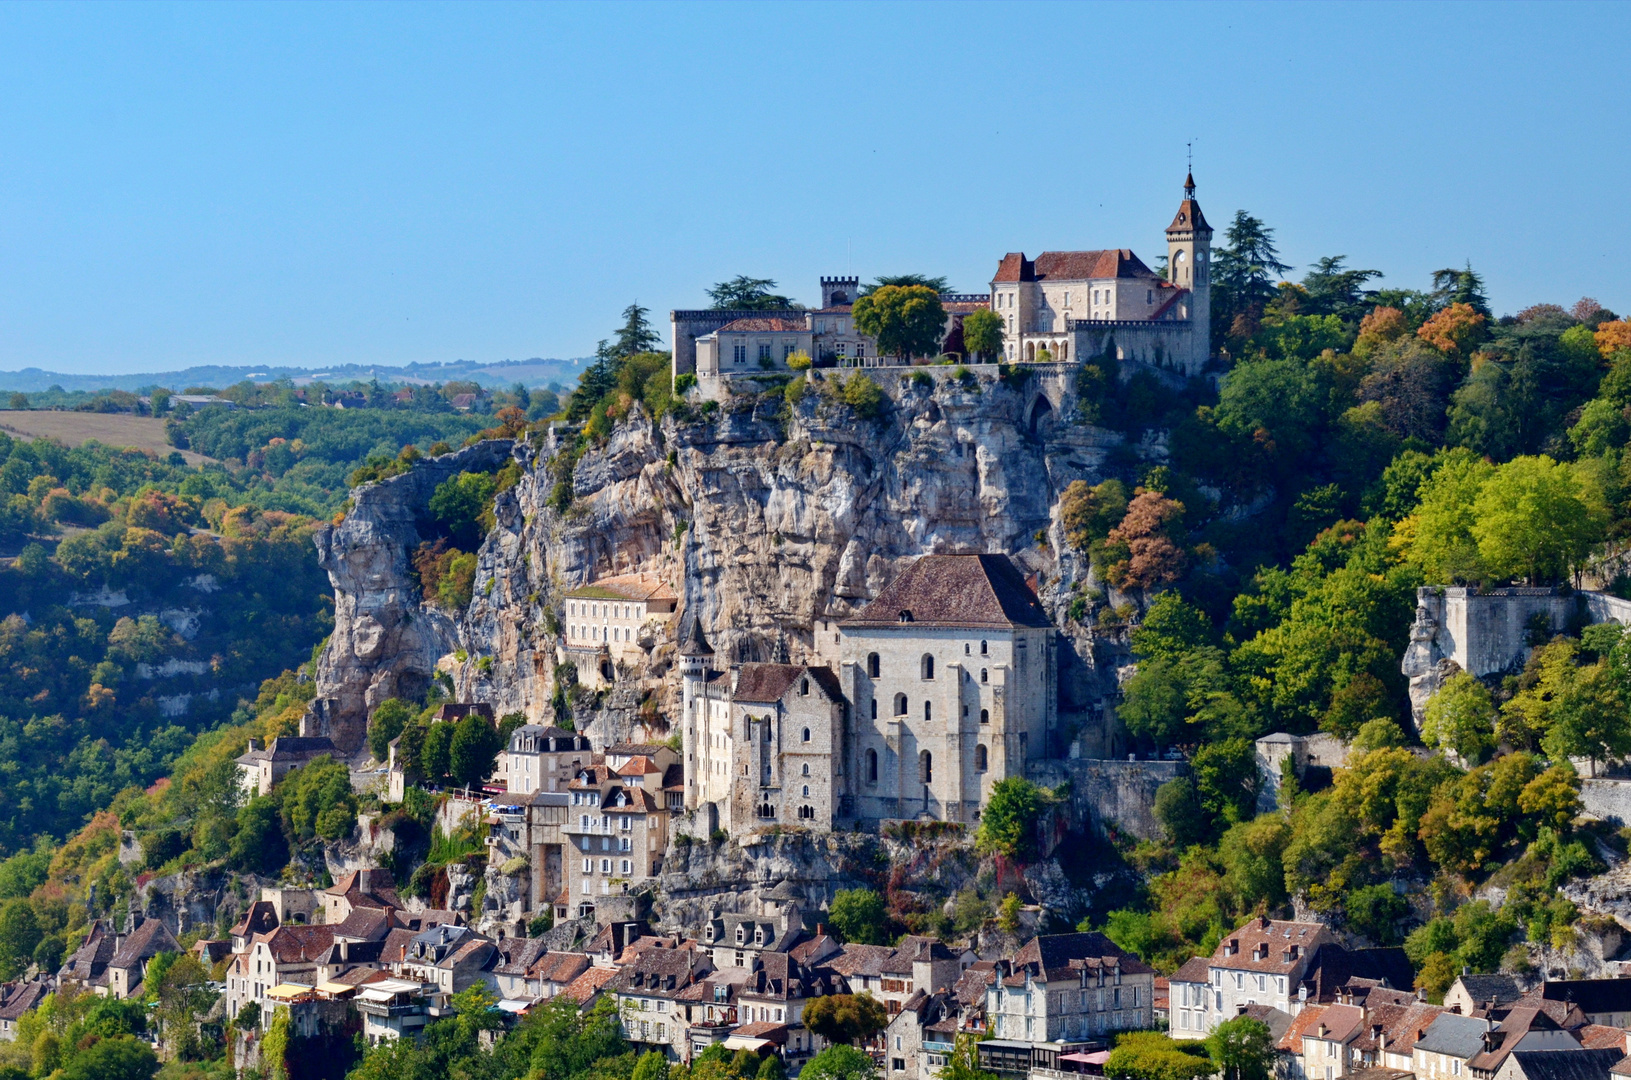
(212,183)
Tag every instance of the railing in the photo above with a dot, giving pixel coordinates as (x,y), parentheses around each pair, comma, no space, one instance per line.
(1101,324)
(374,1008)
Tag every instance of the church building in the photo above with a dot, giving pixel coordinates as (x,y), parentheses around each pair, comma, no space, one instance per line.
(1074,305)
(929,695)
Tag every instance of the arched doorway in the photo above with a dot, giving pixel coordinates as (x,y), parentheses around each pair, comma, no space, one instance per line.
(1039,408)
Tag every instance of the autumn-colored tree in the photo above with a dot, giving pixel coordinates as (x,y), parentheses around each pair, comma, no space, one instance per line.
(1143,551)
(1089,513)
(1382,325)
(1613,336)
(1454,330)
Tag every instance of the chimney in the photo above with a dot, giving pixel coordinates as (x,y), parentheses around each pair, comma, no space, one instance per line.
(253,746)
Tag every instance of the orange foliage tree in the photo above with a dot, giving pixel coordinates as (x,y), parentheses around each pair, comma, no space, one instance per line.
(1144,550)
(1614,336)
(1453,329)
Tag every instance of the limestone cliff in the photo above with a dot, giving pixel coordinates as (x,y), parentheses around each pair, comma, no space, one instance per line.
(386,641)
(766,518)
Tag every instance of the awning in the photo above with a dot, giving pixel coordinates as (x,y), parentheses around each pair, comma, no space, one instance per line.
(747,1042)
(335,988)
(1098,1057)
(287,991)
(510,1005)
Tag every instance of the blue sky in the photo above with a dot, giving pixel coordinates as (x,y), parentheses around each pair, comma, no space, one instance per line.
(384,184)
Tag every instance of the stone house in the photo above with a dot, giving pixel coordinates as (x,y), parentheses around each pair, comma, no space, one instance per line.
(260,917)
(784,722)
(288,954)
(87,966)
(1264,962)
(1524,1027)
(756,343)
(136,949)
(616,831)
(259,768)
(391,1008)
(1471,993)
(1581,1064)
(540,758)
(1391,1031)
(951,674)
(452,958)
(615,621)
(776,991)
(1078,304)
(647,988)
(534,971)
(1071,987)
(17,999)
(1450,1041)
(917,1041)
(736,940)
(373,888)
(1317,1045)
(1603,1001)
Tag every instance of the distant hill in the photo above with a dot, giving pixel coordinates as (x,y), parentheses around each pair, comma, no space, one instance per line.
(534,372)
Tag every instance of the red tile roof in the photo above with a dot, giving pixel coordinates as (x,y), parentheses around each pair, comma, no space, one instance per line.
(771,325)
(1189,217)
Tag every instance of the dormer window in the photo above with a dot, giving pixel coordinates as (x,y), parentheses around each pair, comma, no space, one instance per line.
(741,935)
(905,616)
(710,931)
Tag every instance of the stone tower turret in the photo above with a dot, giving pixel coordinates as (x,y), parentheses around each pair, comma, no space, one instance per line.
(839,290)
(695,655)
(1189,266)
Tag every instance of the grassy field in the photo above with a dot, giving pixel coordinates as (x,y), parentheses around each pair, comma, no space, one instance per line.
(110,429)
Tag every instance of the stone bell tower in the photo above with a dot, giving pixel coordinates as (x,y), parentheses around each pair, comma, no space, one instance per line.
(1189,266)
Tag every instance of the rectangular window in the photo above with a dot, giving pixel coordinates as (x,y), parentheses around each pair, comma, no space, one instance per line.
(764,350)
(605,866)
(739,353)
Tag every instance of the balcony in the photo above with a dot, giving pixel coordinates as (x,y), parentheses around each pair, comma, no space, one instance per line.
(410,1008)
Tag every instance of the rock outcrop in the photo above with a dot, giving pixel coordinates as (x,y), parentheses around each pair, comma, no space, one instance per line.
(386,641)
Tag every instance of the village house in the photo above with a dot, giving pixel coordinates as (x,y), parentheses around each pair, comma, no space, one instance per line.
(1603,1001)
(1263,962)
(647,988)
(615,621)
(136,950)
(452,958)
(391,1008)
(1069,987)
(288,954)
(374,888)
(1450,1041)
(17,999)
(260,768)
(540,758)
(1473,993)
(1318,1043)
(616,830)
(1581,1064)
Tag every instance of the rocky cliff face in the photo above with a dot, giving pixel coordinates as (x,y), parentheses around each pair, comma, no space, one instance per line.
(386,641)
(765,518)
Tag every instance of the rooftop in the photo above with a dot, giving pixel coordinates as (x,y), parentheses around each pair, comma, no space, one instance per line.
(973,591)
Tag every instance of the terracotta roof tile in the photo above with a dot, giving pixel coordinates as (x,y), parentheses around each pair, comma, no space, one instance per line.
(1090,265)
(771,325)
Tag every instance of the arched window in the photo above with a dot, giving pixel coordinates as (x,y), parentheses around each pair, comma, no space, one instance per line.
(874,708)
(982,648)
(873,665)
(985,716)
(928,666)
(806,734)
(872,766)
(806,791)
(979,758)
(804,688)
(767,728)
(925,767)
(965,648)
(983,675)
(928,711)
(900,704)
(806,768)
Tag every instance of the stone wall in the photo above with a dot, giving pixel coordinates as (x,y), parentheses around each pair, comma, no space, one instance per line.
(1608,799)
(1486,633)
(1110,792)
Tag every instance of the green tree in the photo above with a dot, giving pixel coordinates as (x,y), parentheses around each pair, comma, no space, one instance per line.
(983,334)
(863,395)
(636,335)
(460,503)
(845,1018)
(121,1058)
(316,800)
(840,1063)
(435,753)
(1152,1055)
(386,724)
(1242,1048)
(1460,717)
(473,751)
(743,293)
(859,916)
(905,320)
(258,846)
(964,1061)
(1531,519)
(19,935)
(184,998)
(1008,825)
(1179,812)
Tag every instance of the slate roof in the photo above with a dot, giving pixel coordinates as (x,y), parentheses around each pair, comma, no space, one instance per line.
(866,960)
(1454,1036)
(145,942)
(1567,1064)
(1189,217)
(1592,995)
(1051,957)
(23,998)
(762,683)
(691,641)
(380,891)
(259,918)
(89,962)
(290,748)
(957,591)
(1496,989)
(1521,1023)
(1336,968)
(1275,1020)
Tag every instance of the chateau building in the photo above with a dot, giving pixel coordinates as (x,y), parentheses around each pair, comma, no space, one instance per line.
(541,758)
(1073,305)
(615,621)
(932,693)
